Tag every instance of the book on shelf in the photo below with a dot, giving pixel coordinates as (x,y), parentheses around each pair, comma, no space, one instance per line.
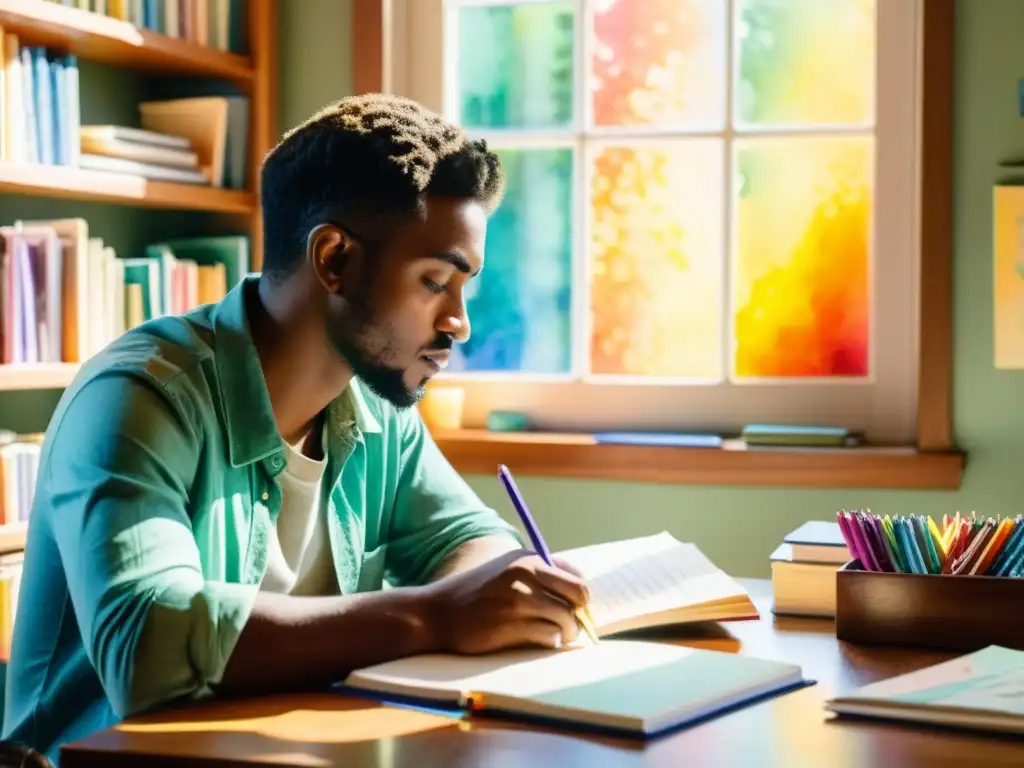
(199,140)
(218,24)
(216,127)
(41,112)
(65,294)
(10,585)
(19,465)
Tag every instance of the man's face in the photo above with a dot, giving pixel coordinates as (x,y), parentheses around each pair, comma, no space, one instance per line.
(402,307)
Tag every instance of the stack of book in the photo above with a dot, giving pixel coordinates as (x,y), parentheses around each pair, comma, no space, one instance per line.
(40,104)
(216,128)
(64,294)
(220,24)
(201,140)
(804,570)
(153,155)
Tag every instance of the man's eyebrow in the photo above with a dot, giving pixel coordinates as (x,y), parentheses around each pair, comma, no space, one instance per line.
(456,260)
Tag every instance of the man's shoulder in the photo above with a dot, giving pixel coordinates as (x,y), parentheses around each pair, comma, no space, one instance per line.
(166,353)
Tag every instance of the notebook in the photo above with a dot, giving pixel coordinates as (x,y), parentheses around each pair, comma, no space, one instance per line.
(983,691)
(633,688)
(653,581)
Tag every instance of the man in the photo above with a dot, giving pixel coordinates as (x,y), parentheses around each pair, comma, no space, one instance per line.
(222,495)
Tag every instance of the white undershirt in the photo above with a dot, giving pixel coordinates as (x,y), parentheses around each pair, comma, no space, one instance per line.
(299,558)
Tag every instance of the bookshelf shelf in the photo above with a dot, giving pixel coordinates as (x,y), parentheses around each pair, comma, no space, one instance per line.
(12,537)
(40,376)
(104,39)
(69,183)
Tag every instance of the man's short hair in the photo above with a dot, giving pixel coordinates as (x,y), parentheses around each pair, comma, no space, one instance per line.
(361,163)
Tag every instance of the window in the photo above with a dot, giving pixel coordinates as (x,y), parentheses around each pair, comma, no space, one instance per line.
(711,215)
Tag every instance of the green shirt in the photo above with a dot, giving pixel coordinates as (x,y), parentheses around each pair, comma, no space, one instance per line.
(155,497)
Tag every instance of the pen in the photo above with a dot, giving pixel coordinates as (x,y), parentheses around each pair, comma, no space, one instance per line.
(582,614)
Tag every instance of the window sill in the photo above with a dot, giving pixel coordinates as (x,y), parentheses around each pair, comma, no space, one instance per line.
(477,451)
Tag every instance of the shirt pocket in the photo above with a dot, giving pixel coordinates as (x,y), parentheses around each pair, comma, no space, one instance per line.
(371,570)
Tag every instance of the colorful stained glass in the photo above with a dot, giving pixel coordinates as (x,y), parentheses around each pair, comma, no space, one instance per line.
(801,270)
(515,67)
(805,62)
(656,248)
(658,62)
(520,311)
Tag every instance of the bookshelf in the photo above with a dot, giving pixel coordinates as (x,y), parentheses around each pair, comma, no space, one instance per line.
(12,537)
(107,40)
(93,37)
(38,376)
(69,183)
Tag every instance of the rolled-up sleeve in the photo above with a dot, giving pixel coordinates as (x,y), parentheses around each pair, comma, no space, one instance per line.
(436,511)
(117,479)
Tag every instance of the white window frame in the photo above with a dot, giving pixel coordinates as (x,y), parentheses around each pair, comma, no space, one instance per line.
(884,405)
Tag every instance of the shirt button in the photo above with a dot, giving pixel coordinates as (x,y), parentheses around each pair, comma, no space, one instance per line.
(276,462)
(265,496)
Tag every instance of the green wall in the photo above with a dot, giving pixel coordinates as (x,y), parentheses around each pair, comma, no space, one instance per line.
(739,528)
(316,63)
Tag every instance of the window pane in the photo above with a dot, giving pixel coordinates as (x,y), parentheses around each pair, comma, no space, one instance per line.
(805,62)
(657,254)
(658,62)
(520,313)
(801,275)
(515,67)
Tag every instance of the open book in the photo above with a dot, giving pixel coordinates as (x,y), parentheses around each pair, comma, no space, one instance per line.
(654,581)
(620,686)
(981,691)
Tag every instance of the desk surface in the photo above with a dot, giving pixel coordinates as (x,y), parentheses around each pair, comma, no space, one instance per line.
(326,729)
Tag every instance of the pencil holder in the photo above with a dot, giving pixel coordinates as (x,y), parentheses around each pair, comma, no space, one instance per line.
(935,611)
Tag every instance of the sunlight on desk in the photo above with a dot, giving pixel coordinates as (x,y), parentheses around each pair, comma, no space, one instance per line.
(332,719)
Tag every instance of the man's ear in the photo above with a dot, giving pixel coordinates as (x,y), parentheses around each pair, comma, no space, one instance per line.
(329,251)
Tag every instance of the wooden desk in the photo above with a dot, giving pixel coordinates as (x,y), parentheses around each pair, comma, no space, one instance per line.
(791,731)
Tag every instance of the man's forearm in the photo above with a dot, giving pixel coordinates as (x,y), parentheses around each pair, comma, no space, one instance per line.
(318,640)
(475,552)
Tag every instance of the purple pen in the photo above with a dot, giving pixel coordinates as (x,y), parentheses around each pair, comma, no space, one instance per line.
(582,614)
(524,514)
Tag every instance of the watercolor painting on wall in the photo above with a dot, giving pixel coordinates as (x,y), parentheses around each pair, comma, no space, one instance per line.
(1008,271)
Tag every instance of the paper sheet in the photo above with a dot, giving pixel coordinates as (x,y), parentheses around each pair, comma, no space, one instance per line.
(647,575)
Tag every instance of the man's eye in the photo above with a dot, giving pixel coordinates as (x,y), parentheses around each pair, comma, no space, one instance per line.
(432,286)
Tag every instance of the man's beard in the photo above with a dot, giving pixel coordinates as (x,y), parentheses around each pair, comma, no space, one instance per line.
(384,380)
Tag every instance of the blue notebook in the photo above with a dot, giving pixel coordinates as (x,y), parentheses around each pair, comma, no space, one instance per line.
(631,688)
(674,440)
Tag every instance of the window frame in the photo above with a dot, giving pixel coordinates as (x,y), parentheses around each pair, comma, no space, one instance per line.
(381,63)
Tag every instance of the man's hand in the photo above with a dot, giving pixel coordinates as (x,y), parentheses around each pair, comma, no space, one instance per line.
(565,565)
(513,600)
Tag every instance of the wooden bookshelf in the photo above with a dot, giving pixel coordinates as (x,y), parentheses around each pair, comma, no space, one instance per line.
(70,183)
(104,39)
(99,38)
(41,376)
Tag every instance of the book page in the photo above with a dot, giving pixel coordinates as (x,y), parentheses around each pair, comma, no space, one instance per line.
(521,673)
(647,575)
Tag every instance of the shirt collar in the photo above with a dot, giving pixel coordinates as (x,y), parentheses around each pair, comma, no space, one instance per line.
(249,416)
(365,419)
